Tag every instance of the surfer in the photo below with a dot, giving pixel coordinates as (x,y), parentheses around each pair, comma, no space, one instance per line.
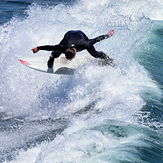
(73,42)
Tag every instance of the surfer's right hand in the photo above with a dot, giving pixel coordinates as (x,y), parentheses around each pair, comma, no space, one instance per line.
(35,50)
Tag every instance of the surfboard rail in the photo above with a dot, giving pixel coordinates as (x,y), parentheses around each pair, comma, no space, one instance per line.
(61,65)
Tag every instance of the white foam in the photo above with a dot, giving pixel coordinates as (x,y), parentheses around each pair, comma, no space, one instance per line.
(149,8)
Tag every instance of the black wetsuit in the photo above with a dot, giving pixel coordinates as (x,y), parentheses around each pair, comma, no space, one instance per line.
(79,41)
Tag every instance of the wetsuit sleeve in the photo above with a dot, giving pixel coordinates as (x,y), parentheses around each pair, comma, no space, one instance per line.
(97,39)
(51,48)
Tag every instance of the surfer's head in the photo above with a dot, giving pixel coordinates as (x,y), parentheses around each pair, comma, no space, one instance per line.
(70,53)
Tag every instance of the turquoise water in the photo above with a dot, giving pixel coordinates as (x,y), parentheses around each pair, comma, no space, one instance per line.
(99,114)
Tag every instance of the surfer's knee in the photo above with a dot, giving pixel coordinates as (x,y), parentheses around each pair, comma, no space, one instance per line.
(55,53)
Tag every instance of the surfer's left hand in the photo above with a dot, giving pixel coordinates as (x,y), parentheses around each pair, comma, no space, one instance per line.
(111,32)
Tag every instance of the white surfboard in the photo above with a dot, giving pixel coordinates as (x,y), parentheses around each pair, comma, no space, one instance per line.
(61,65)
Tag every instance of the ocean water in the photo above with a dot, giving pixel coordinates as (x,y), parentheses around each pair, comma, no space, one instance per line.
(97,115)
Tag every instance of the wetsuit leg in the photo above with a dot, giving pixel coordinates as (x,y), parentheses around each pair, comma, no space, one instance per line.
(96,54)
(54,54)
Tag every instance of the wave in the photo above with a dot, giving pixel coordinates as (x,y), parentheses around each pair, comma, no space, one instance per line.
(73,107)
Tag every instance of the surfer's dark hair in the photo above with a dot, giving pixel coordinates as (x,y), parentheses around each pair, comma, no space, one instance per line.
(70,53)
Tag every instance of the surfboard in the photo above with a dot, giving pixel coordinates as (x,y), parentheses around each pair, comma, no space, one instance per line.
(61,65)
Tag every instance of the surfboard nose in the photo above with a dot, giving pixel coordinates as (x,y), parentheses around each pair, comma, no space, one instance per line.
(24,62)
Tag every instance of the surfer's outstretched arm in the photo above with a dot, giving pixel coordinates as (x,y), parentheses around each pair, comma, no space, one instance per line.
(49,48)
(102,37)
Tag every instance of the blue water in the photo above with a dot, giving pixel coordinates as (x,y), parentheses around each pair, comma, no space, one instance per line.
(99,114)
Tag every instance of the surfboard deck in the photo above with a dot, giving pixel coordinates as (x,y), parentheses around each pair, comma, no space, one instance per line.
(61,65)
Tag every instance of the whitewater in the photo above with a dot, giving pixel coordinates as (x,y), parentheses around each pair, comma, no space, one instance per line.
(98,114)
